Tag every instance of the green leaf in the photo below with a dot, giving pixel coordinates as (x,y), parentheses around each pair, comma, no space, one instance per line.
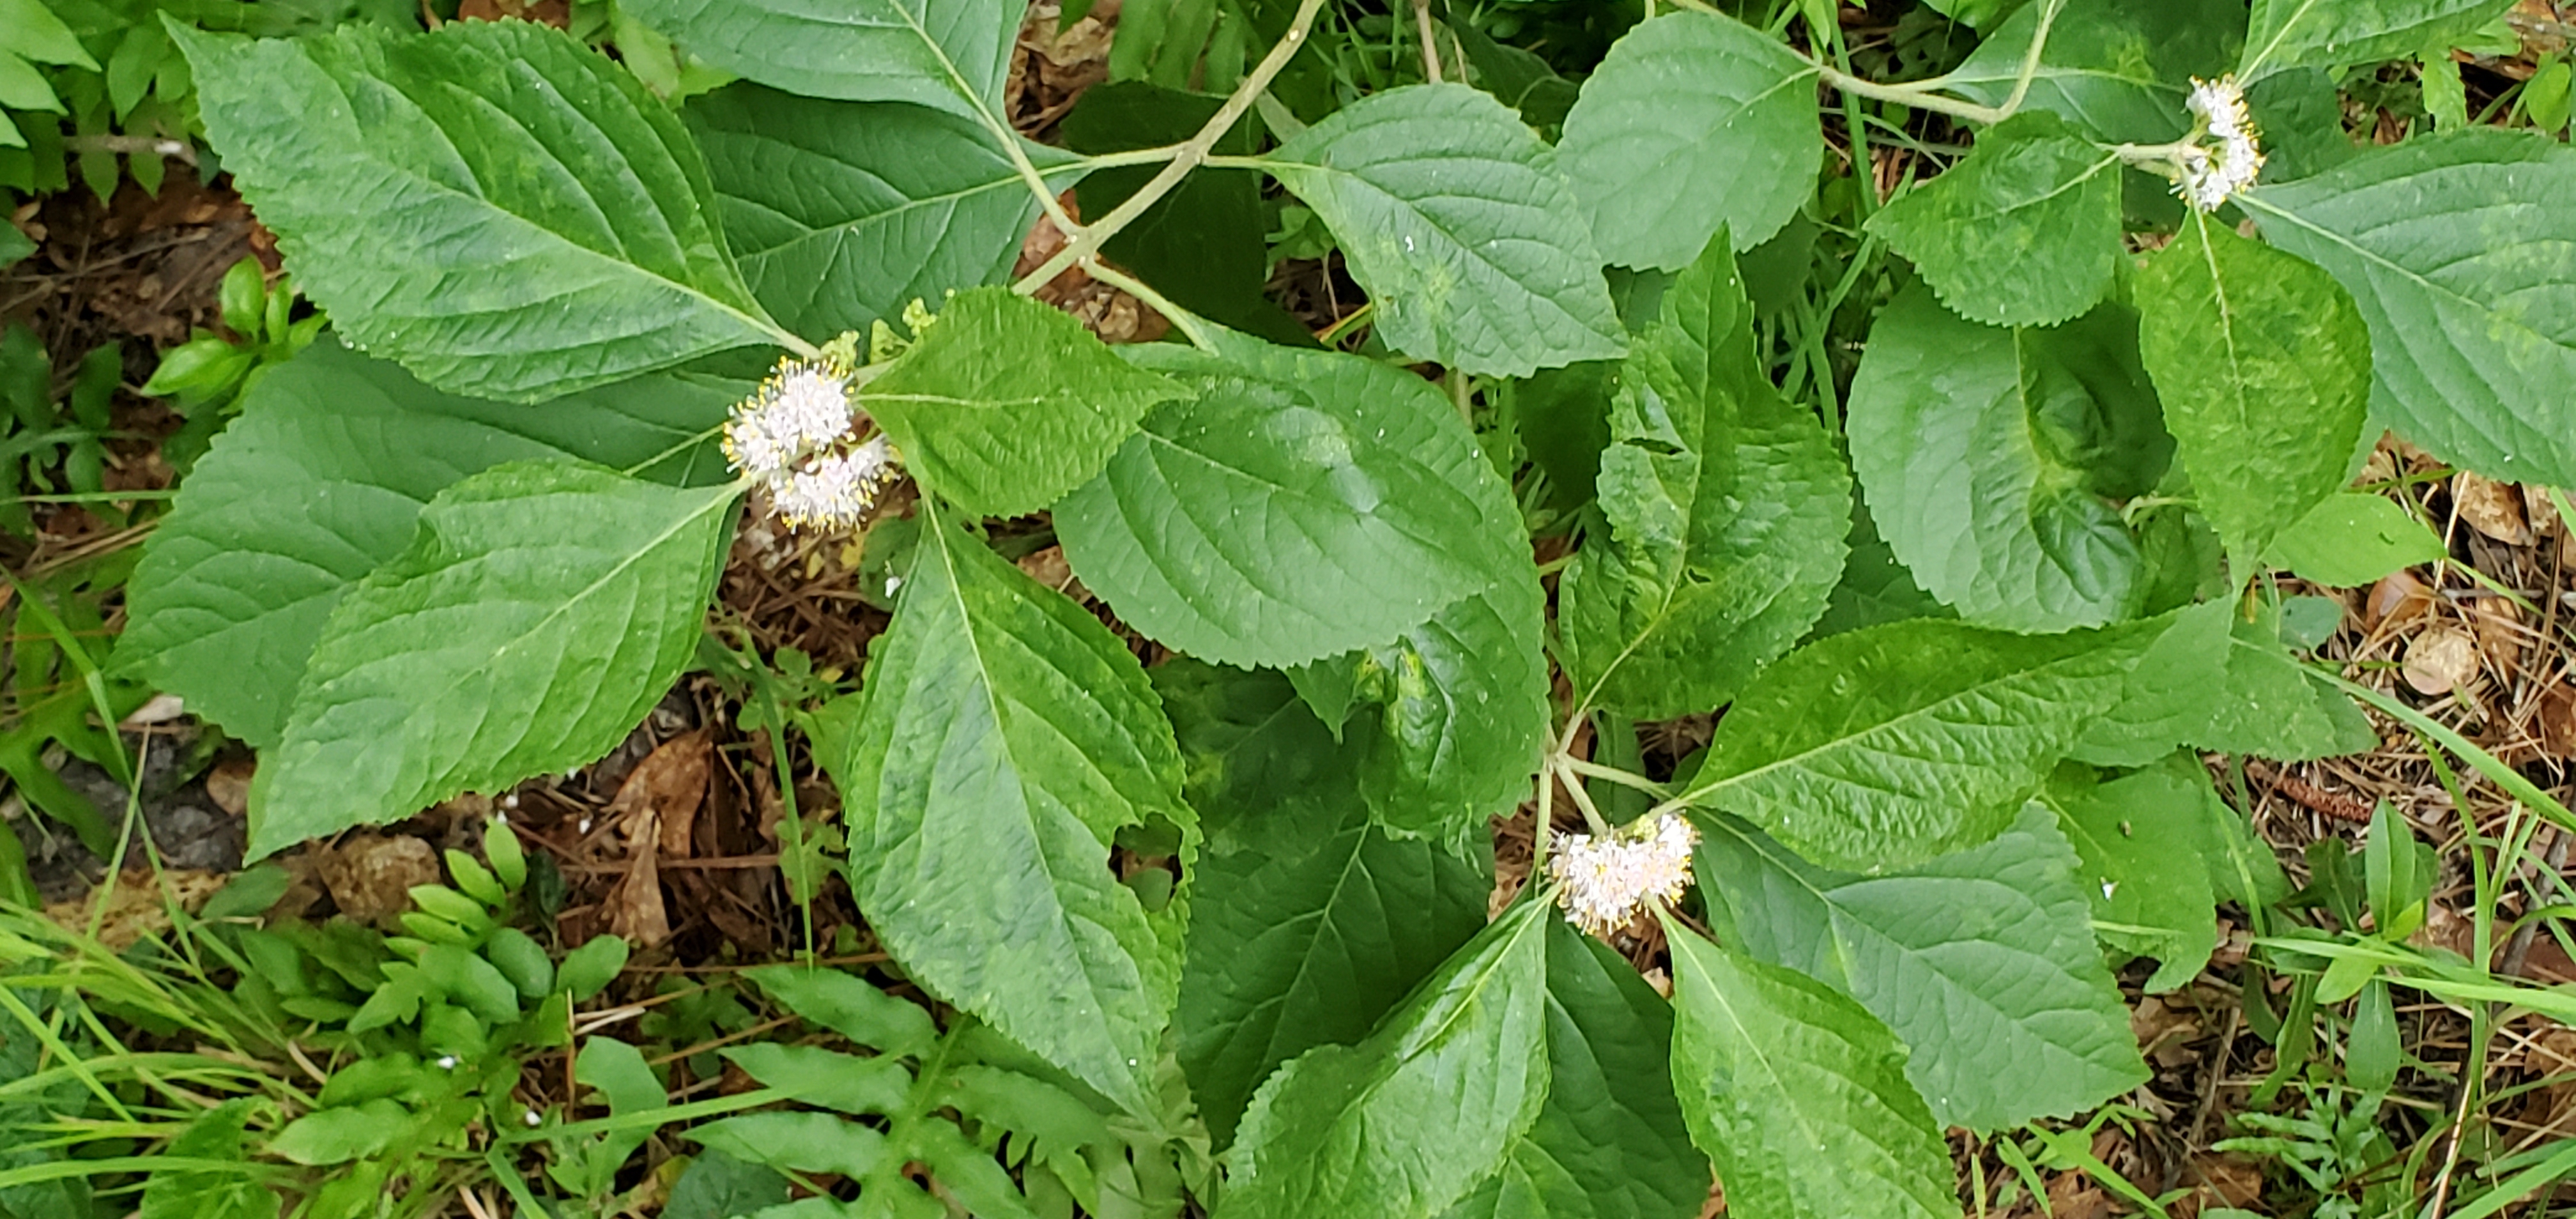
(470,982)
(817,1076)
(1885,747)
(948,55)
(2354,538)
(2114,69)
(2274,708)
(1798,1094)
(36,33)
(1449,214)
(1005,404)
(1875,587)
(1405,1123)
(1990,459)
(618,1073)
(201,1193)
(1695,123)
(2170,694)
(337,1136)
(1005,739)
(841,213)
(14,244)
(2338,33)
(321,478)
(851,1007)
(496,207)
(718,1186)
(2024,232)
(1375,509)
(24,86)
(1727,509)
(799,1141)
(540,612)
(1610,1142)
(1307,924)
(2463,260)
(2149,841)
(589,969)
(1982,962)
(2264,368)
(1464,714)
(1519,78)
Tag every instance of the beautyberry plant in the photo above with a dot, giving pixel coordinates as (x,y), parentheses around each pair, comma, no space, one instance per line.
(1969,608)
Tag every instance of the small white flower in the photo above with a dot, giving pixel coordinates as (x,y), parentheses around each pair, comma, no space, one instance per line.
(1602,882)
(801,409)
(2213,173)
(834,489)
(798,436)
(2220,105)
(447,1062)
(531,1118)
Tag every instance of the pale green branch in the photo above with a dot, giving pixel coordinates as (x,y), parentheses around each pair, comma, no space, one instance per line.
(1084,241)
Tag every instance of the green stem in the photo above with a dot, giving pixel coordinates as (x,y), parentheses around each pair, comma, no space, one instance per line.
(1582,799)
(1914,96)
(1084,241)
(1613,774)
(1189,323)
(2030,59)
(794,342)
(1134,156)
(1333,334)
(1921,95)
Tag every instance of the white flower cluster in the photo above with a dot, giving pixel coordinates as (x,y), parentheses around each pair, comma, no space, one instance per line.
(795,434)
(1602,882)
(2229,159)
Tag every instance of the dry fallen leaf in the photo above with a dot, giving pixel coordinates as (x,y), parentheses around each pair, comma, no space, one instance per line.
(2396,598)
(2491,507)
(2551,1052)
(2498,626)
(370,876)
(2440,659)
(2221,1180)
(2554,720)
(670,783)
(2162,1030)
(635,910)
(556,13)
(228,784)
(2445,927)
(2072,1195)
(2541,512)
(160,709)
(136,905)
(1048,567)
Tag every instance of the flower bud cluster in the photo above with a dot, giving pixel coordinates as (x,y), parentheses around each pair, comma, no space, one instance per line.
(1603,881)
(797,434)
(2226,156)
